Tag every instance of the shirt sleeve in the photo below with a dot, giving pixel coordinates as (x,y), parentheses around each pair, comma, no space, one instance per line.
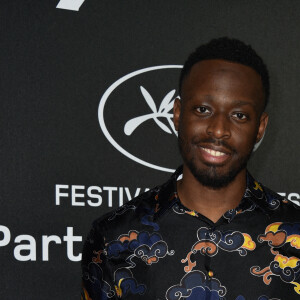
(97,277)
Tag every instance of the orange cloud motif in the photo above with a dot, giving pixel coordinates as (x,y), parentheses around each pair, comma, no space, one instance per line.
(249,244)
(294,240)
(277,234)
(286,261)
(287,268)
(132,235)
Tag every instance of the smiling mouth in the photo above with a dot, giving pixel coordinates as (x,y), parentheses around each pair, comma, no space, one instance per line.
(215,157)
(214,152)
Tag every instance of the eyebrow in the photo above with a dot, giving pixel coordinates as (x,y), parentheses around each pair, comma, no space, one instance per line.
(209,98)
(242,103)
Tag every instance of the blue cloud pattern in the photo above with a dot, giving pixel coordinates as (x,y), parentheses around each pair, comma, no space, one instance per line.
(193,285)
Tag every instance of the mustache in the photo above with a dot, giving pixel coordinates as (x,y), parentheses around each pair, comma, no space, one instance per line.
(198,142)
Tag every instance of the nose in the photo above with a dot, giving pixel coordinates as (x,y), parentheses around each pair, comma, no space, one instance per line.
(218,126)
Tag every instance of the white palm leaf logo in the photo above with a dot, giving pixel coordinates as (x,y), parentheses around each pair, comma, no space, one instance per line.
(163,112)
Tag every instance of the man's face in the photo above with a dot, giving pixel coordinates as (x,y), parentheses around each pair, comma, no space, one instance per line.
(219,119)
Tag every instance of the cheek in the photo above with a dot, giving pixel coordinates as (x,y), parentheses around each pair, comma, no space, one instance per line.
(193,133)
(192,128)
(244,139)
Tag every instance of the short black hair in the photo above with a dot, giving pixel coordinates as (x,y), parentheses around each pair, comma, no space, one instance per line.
(231,50)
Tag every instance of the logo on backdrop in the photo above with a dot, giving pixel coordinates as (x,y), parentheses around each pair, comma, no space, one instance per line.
(70,4)
(135,115)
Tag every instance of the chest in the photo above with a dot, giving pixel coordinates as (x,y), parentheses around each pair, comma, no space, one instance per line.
(195,260)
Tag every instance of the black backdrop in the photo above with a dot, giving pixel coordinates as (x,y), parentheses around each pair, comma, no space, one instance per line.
(60,169)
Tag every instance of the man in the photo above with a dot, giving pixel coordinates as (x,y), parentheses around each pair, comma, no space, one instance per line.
(211,231)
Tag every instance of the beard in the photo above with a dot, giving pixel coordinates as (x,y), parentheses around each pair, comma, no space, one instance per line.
(210,175)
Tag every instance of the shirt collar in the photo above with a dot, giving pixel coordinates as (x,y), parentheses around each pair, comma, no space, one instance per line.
(255,196)
(167,194)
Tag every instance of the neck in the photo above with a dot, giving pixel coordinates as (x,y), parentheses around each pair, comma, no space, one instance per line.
(212,203)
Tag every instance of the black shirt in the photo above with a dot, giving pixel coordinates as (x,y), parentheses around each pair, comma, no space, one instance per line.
(155,248)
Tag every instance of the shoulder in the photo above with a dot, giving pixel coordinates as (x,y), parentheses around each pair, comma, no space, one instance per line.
(127,216)
(123,221)
(280,205)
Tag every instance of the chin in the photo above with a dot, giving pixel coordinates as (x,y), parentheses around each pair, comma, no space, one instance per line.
(212,176)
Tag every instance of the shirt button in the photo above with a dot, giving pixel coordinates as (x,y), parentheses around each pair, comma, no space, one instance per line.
(210,274)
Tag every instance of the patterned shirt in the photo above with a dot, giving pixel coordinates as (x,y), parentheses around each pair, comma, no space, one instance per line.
(155,248)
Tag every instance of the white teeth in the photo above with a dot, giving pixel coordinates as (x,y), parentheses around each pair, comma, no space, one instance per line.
(213,152)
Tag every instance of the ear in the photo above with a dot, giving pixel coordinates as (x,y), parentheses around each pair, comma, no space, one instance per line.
(263,122)
(176,113)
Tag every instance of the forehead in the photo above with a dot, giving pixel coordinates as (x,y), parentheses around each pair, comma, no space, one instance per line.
(220,77)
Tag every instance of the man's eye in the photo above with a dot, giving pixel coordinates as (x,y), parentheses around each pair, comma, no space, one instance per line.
(240,116)
(202,109)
